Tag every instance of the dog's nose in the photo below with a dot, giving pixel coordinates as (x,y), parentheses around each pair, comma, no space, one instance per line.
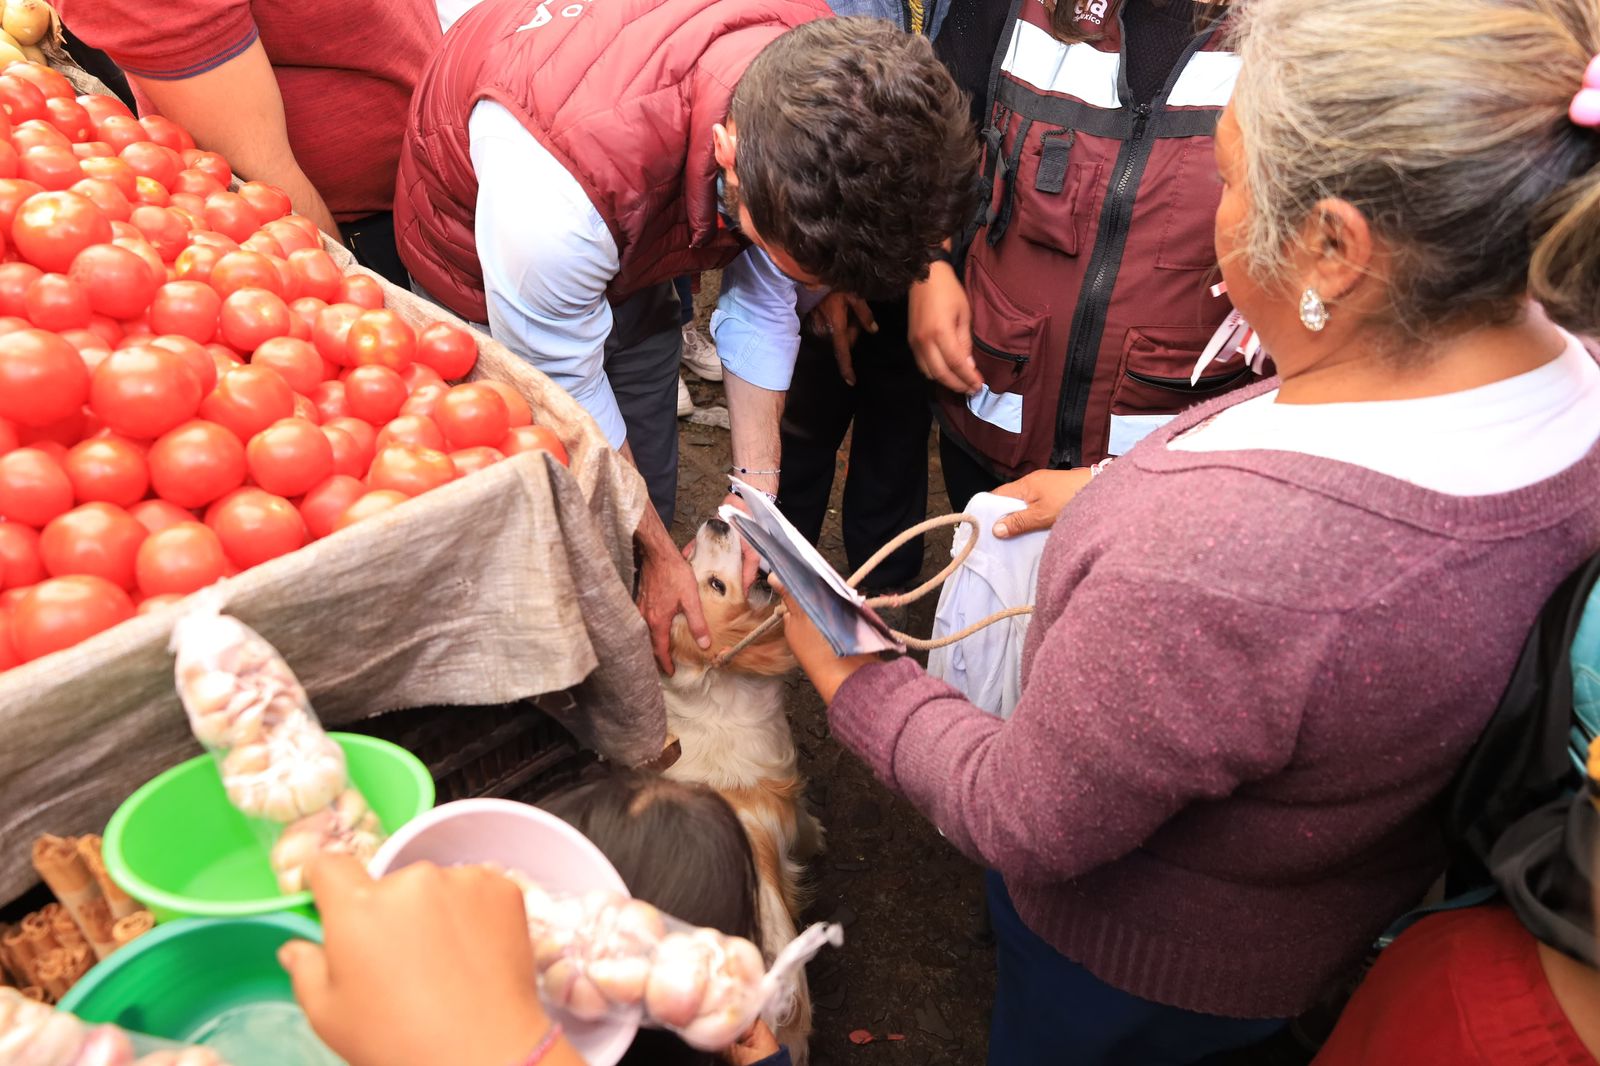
(718,527)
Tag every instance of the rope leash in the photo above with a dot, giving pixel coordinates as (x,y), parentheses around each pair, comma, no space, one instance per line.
(897,599)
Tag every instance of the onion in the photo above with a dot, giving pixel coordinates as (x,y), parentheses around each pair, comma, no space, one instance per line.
(27,20)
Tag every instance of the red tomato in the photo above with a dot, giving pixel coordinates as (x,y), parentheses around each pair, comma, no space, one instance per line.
(156,515)
(42,378)
(534,438)
(516,404)
(53,166)
(33,487)
(103,107)
(196,183)
(196,463)
(473,416)
(196,262)
(166,133)
(98,538)
(15,279)
(117,281)
(347,455)
(38,134)
(163,227)
(14,192)
(150,160)
(374,393)
(52,84)
(411,429)
(261,241)
(179,559)
(195,354)
(191,208)
(382,338)
(325,504)
(223,359)
(306,309)
(419,374)
(331,399)
(109,470)
(360,290)
(364,435)
(248,399)
(106,196)
(229,214)
(56,302)
(304,408)
(424,401)
(152,604)
(296,360)
(118,131)
(290,280)
(150,191)
(368,505)
(68,116)
(331,332)
(211,163)
(318,275)
(91,346)
(8,160)
(51,228)
(21,100)
(268,201)
(59,613)
(255,526)
(143,391)
(113,170)
(8,436)
(67,432)
(188,308)
(93,150)
(251,317)
(245,269)
(471,460)
(19,556)
(289,456)
(290,237)
(147,254)
(109,330)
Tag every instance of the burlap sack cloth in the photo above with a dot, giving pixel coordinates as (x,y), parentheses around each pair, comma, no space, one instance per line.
(508,584)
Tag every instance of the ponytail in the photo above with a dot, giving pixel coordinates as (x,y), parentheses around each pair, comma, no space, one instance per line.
(1564,273)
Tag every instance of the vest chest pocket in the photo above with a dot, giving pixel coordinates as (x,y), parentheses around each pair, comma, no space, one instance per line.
(1190,207)
(1006,337)
(1055,192)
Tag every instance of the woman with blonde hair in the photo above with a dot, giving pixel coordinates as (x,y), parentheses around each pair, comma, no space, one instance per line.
(1267,636)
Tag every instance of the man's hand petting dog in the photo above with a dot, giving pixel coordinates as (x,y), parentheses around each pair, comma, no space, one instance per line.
(667,588)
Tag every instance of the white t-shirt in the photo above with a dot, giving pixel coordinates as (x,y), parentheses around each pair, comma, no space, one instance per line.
(1477,442)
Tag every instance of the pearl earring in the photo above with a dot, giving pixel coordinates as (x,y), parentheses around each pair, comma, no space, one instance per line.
(1313,312)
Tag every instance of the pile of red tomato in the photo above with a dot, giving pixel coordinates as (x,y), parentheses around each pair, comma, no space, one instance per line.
(188,384)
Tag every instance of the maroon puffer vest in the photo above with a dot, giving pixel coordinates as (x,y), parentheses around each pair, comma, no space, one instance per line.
(1089,279)
(623,93)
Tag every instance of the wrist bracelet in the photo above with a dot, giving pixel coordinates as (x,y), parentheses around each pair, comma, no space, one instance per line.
(1094,471)
(755,473)
(545,1045)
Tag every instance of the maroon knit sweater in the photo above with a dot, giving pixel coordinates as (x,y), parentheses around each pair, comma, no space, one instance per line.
(1249,675)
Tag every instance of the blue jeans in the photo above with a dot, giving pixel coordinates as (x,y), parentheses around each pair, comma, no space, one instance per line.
(1049,1011)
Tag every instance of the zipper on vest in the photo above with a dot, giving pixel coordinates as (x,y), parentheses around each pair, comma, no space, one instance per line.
(1088,324)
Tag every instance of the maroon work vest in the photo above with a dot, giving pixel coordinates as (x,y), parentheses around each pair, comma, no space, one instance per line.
(623,93)
(1089,278)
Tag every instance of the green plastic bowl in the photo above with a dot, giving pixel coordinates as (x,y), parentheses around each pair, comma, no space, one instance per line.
(175,979)
(183,851)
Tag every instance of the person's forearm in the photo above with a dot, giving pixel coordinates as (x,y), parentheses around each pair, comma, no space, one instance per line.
(235,109)
(754,415)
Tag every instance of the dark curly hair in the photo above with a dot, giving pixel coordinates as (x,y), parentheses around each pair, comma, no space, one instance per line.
(856,154)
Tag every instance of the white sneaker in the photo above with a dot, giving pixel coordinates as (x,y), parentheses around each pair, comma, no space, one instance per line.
(685,401)
(700,355)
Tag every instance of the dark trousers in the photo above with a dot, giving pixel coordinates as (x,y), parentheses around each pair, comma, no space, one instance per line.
(642,356)
(1049,1011)
(886,479)
(964,476)
(371,241)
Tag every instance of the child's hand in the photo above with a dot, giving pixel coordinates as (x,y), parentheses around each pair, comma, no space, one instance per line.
(423,967)
(757,1044)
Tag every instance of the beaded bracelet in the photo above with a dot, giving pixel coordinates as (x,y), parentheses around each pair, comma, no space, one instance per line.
(545,1046)
(757,473)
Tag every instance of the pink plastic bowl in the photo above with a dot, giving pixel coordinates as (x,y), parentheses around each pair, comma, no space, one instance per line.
(535,842)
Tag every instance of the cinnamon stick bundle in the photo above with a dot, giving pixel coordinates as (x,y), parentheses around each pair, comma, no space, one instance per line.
(41,941)
(132,927)
(62,867)
(120,902)
(53,973)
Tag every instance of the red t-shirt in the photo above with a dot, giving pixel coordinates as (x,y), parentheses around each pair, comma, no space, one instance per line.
(1462,988)
(346,69)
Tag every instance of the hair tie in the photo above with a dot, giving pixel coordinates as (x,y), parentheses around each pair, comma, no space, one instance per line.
(1585,107)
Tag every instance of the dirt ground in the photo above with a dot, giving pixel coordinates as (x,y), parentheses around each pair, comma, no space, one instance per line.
(915,963)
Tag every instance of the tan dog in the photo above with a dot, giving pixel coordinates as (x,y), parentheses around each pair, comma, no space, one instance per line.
(735,736)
